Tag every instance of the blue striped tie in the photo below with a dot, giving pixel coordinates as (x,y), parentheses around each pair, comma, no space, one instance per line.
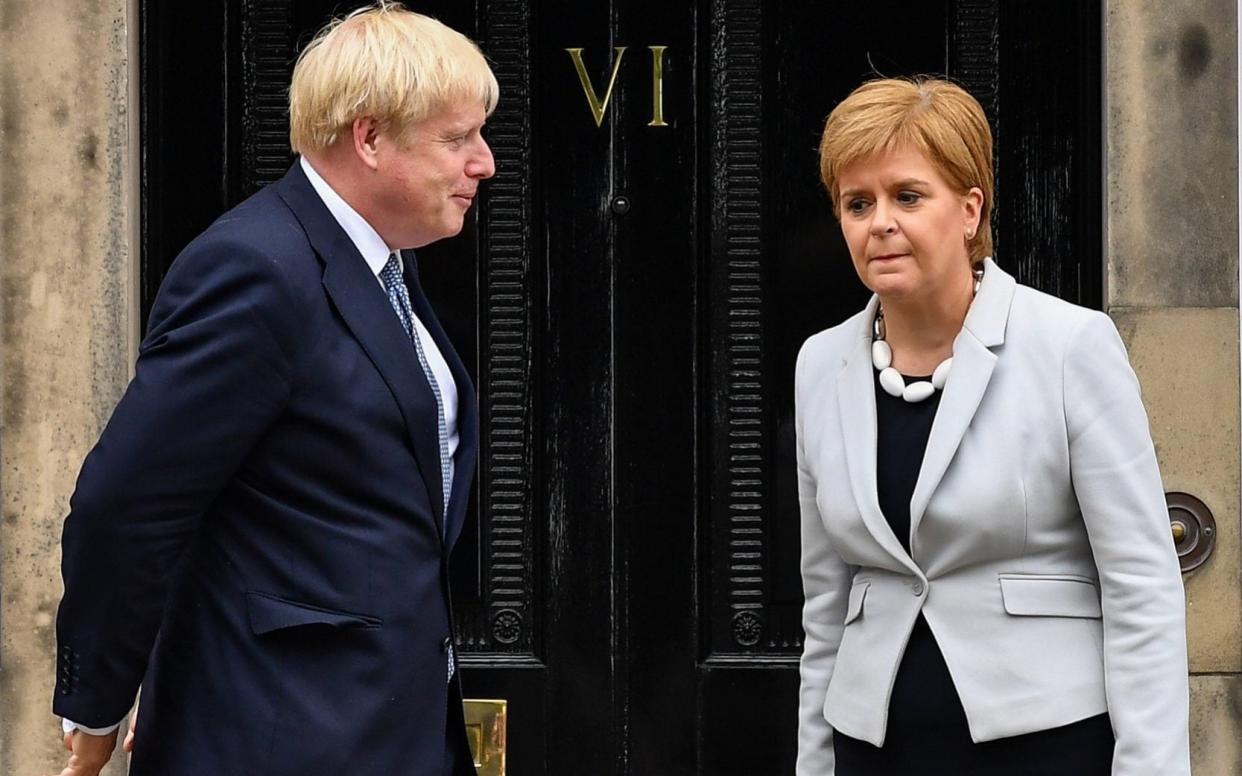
(399,298)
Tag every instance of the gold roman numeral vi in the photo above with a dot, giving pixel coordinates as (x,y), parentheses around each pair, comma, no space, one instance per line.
(599,106)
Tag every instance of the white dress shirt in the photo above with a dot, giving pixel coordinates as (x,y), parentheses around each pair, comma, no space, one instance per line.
(375,252)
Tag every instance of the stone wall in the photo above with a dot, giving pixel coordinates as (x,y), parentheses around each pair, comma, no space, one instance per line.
(68,213)
(1171,89)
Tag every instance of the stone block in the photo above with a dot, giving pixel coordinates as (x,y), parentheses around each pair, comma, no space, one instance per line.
(1187,363)
(67,188)
(1215,725)
(1171,136)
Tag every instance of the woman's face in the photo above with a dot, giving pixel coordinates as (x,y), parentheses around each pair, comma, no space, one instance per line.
(906,228)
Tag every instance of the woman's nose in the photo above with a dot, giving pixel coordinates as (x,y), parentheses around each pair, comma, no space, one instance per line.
(882,221)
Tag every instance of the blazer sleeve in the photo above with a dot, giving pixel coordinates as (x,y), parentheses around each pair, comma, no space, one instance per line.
(825,585)
(212,375)
(1117,483)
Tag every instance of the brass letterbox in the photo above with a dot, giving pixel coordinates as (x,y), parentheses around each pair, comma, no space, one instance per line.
(486,723)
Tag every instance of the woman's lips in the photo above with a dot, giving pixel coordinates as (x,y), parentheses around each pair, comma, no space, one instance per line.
(888,257)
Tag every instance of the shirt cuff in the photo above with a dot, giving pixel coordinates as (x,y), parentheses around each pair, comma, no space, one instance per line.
(69,726)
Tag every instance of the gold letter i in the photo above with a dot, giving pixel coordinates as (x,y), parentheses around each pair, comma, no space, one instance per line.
(657,86)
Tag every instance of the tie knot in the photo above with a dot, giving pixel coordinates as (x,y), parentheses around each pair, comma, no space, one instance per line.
(391,273)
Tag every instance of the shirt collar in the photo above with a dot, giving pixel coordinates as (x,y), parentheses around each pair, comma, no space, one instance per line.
(364,237)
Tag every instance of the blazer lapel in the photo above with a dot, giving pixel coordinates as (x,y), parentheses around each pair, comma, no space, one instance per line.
(973,362)
(467,412)
(367,312)
(856,404)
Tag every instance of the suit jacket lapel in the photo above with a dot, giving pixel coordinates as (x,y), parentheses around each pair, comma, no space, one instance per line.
(467,413)
(856,404)
(367,312)
(973,362)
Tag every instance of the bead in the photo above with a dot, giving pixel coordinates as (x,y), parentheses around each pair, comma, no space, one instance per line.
(891,382)
(919,391)
(881,355)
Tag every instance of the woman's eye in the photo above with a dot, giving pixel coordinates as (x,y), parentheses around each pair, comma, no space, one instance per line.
(908,197)
(856,205)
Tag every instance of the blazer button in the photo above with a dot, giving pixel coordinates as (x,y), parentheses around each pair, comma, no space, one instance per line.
(917,587)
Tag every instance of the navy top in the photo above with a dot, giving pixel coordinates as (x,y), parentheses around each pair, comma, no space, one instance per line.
(902,430)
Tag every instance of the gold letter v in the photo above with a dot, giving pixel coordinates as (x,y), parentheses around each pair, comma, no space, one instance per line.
(597,107)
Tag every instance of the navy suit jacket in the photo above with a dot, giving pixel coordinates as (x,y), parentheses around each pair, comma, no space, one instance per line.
(256,537)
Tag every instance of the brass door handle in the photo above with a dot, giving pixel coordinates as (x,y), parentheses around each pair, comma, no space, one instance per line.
(487,724)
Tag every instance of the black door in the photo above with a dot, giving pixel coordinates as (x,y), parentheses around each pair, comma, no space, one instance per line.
(631,295)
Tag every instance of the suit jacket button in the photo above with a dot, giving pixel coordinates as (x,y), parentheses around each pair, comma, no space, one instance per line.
(917,587)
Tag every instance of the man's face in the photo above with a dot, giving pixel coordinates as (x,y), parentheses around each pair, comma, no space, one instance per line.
(423,189)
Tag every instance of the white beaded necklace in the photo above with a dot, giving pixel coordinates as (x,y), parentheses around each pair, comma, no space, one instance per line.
(891,380)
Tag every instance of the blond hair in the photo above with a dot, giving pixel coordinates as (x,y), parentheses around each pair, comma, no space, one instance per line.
(935,117)
(383,61)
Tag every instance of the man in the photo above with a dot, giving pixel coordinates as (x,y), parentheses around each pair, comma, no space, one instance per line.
(260,537)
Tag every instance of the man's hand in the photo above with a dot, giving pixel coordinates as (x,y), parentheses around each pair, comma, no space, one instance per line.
(90,753)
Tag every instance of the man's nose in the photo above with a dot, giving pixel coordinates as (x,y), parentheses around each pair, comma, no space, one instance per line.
(484,164)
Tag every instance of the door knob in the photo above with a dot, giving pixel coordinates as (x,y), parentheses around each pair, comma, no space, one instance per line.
(486,727)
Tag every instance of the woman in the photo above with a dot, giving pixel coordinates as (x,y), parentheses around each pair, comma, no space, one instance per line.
(991,585)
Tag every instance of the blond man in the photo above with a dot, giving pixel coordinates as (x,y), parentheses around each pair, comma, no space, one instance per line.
(260,539)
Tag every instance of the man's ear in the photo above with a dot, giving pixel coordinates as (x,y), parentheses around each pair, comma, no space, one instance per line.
(365,134)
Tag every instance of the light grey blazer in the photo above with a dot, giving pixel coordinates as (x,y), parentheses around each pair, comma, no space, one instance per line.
(1042,555)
